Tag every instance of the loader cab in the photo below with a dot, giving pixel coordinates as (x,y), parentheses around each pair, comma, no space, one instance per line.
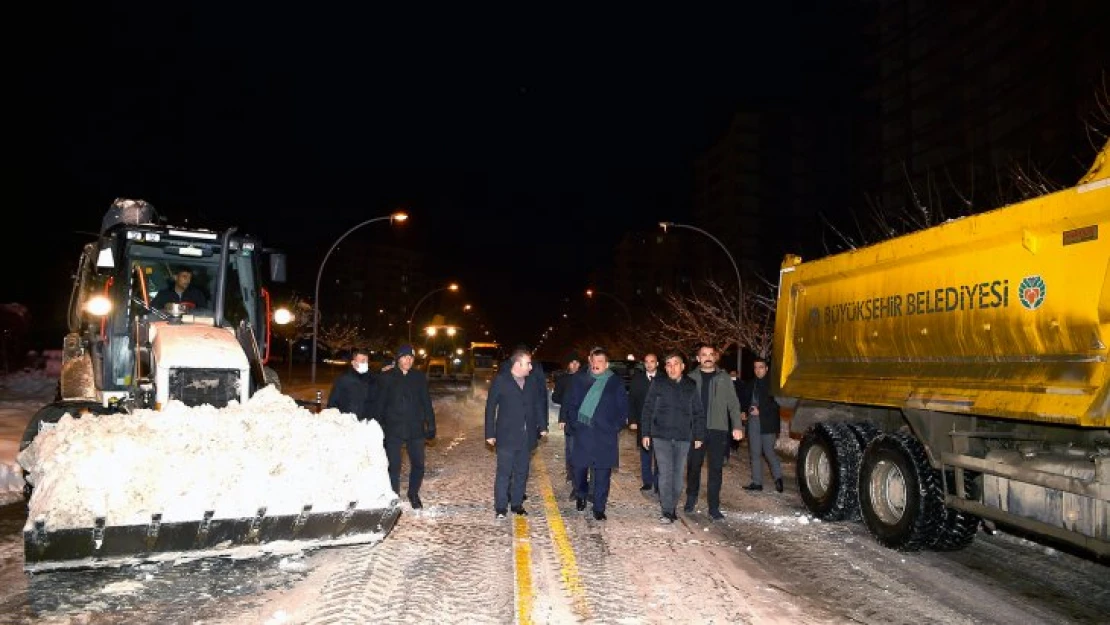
(131,264)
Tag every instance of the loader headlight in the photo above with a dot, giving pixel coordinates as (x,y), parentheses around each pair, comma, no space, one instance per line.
(98,305)
(283,316)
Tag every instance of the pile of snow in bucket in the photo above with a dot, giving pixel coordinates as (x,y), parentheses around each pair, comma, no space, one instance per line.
(181,462)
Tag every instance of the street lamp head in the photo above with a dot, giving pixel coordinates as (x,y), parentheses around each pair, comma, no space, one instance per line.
(665,224)
(453,286)
(589,292)
(398,217)
(283,316)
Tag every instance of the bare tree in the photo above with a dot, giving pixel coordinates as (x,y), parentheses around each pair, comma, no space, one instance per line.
(708,314)
(341,336)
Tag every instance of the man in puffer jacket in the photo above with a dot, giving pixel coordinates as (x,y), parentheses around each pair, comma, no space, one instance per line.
(672,418)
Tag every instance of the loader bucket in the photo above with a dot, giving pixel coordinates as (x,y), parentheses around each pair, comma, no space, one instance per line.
(103,545)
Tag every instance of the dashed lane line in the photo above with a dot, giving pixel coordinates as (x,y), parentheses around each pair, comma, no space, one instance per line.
(568,564)
(522,561)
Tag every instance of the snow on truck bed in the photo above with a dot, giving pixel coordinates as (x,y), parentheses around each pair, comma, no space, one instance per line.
(182,462)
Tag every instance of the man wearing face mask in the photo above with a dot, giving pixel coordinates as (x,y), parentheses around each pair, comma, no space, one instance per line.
(353,391)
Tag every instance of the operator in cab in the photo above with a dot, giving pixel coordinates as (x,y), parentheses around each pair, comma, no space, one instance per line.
(181,290)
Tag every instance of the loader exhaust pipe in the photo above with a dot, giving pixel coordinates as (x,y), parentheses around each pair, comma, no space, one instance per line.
(221,279)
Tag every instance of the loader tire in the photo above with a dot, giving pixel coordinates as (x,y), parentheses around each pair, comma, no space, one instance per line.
(269,376)
(50,414)
(900,494)
(47,416)
(827,466)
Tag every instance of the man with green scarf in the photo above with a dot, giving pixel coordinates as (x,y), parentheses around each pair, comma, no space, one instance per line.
(597,410)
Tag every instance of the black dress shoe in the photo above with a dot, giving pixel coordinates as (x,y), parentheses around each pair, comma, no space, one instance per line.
(646,487)
(600,516)
(778,485)
(580,503)
(689,507)
(415,501)
(716,515)
(520,510)
(753,486)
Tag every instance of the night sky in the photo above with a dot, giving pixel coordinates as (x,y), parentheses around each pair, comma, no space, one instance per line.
(517,143)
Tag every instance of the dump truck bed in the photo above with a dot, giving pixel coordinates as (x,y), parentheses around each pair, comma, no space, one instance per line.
(1005,314)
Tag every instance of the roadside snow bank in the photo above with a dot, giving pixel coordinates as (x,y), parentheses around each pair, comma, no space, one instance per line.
(183,461)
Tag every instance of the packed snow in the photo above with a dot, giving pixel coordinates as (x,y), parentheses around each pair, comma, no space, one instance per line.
(182,461)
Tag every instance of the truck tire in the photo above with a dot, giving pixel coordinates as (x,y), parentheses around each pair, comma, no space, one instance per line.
(900,495)
(827,466)
(865,432)
(958,529)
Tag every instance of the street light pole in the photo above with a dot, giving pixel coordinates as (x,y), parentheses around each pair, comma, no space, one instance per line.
(740,284)
(449,287)
(398,217)
(627,312)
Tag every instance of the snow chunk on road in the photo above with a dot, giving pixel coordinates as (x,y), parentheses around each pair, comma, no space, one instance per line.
(182,462)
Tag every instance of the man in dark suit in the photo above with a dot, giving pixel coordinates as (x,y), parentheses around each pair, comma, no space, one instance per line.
(515,419)
(637,391)
(762,415)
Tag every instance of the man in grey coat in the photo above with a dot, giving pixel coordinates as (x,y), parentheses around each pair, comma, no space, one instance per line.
(722,409)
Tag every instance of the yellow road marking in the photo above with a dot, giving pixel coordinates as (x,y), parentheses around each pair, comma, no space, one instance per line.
(568,564)
(522,559)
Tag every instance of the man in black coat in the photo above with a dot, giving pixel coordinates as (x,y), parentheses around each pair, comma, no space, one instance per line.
(672,419)
(562,383)
(637,391)
(764,424)
(515,418)
(404,409)
(353,391)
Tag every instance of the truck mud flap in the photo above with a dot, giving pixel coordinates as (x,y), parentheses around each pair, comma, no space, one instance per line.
(110,546)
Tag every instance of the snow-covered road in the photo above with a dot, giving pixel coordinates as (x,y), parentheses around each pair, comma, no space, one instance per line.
(453,562)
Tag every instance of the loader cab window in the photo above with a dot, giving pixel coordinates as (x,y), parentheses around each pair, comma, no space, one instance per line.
(161,269)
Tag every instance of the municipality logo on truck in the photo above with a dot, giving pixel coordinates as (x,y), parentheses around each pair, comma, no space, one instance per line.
(1031,292)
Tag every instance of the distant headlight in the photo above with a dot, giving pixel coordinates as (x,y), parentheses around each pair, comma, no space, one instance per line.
(98,306)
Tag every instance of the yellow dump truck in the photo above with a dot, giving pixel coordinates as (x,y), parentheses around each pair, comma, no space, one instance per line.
(958,373)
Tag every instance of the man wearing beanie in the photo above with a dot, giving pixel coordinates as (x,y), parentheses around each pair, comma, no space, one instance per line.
(404,410)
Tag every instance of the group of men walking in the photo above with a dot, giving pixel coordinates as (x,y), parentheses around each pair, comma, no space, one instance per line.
(682,420)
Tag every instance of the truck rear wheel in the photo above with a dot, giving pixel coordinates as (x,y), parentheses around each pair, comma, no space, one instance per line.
(828,461)
(958,528)
(900,495)
(865,432)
